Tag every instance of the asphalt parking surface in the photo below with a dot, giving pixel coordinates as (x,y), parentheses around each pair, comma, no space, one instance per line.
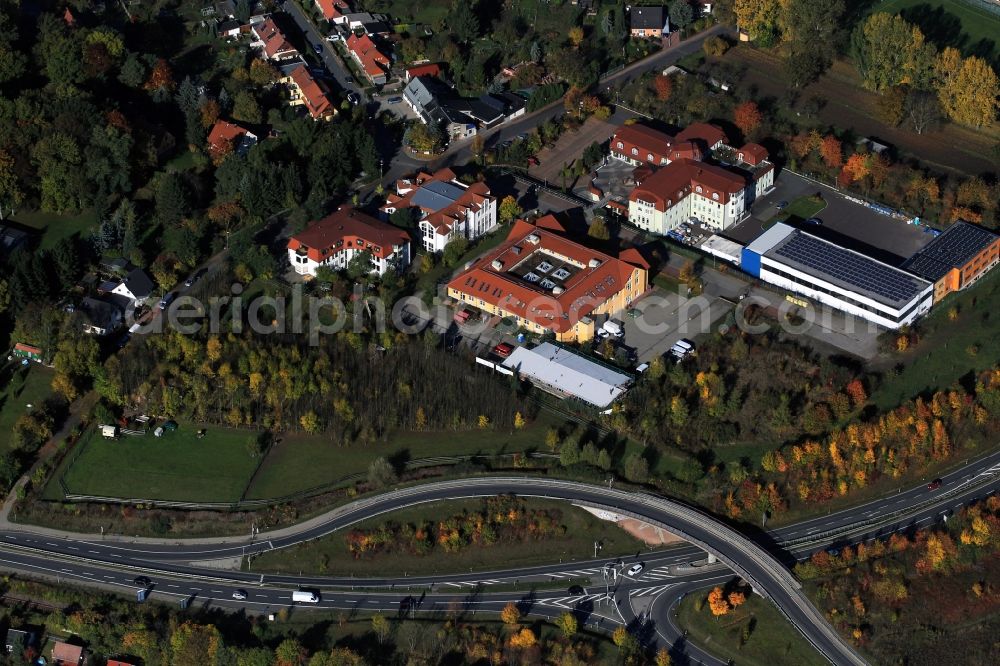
(667,317)
(844,222)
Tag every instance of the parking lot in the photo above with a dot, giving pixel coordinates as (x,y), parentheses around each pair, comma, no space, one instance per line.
(664,318)
(843,221)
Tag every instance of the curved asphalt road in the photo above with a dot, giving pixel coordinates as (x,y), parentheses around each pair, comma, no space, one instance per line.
(766,574)
(93,561)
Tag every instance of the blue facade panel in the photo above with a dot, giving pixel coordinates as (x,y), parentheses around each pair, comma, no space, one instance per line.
(750,262)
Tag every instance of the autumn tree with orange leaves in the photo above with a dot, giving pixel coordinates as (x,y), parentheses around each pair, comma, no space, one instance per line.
(664,86)
(832,152)
(717,602)
(747,117)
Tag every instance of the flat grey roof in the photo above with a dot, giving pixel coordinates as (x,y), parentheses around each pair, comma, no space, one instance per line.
(569,373)
(847,269)
(436,195)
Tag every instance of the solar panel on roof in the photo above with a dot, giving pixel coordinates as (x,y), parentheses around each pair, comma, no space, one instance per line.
(848,267)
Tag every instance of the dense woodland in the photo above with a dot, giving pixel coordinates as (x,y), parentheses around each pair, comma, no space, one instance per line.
(747,389)
(926,597)
(345,387)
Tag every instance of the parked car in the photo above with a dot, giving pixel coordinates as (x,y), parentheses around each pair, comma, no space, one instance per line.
(394,100)
(318,48)
(815,221)
(576,590)
(191,280)
(123,340)
(166,300)
(781,205)
(352,98)
(635,569)
(240,595)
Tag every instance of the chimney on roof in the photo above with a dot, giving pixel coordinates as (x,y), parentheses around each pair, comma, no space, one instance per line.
(594,263)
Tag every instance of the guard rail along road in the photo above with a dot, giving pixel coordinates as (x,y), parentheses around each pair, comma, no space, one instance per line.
(760,569)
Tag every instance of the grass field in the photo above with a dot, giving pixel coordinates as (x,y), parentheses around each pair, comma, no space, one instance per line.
(949,350)
(800,209)
(330,554)
(55,227)
(301,462)
(177,466)
(951,23)
(19,387)
(772,641)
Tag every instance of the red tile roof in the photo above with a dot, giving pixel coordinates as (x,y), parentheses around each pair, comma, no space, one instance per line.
(346,227)
(583,291)
(224,132)
(634,256)
(676,180)
(429,69)
(709,134)
(119,662)
(332,9)
(472,198)
(64,653)
(374,62)
(274,40)
(28,349)
(754,153)
(315,98)
(645,140)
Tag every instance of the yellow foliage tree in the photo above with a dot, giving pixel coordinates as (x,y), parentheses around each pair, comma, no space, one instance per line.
(970,95)
(510,614)
(717,602)
(523,639)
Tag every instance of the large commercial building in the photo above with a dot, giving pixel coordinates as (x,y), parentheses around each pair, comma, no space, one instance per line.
(448,209)
(841,278)
(336,239)
(687,188)
(956,258)
(543,281)
(567,374)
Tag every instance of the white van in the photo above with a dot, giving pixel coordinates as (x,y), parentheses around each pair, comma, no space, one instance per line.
(305,597)
(613,329)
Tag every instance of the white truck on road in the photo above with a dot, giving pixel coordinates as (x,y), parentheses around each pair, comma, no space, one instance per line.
(305,597)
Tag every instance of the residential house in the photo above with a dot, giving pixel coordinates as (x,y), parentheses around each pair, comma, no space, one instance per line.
(305,90)
(687,188)
(66,654)
(332,9)
(448,208)
(228,137)
(372,62)
(427,69)
(433,103)
(121,662)
(649,22)
(229,29)
(957,258)
(269,38)
(339,237)
(753,159)
(364,22)
(545,282)
(32,353)
(99,317)
(137,287)
(19,640)
(11,239)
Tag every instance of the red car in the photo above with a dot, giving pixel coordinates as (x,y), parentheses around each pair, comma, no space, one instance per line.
(934,485)
(503,350)
(532,161)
